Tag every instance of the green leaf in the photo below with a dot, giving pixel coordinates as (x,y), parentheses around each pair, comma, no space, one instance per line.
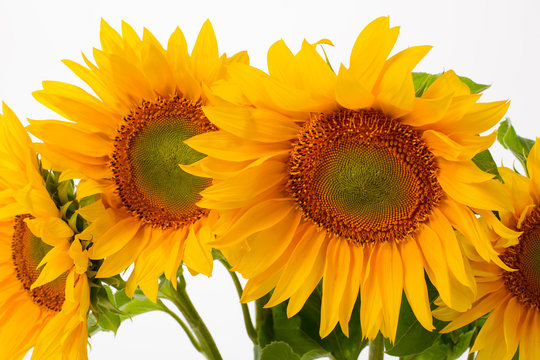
(422,81)
(339,345)
(485,162)
(519,146)
(138,306)
(411,337)
(456,349)
(474,87)
(301,332)
(108,321)
(290,330)
(278,350)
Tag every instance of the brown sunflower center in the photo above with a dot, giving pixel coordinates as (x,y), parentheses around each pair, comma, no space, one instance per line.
(148,149)
(525,257)
(27,252)
(363,176)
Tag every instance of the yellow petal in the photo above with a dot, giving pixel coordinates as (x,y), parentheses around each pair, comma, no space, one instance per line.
(197,254)
(338,259)
(279,60)
(298,299)
(391,269)
(57,261)
(268,245)
(394,91)
(370,51)
(253,124)
(204,56)
(115,238)
(533,167)
(350,93)
(260,217)
(427,111)
(350,294)
(299,266)
(485,195)
(447,84)
(225,146)
(415,284)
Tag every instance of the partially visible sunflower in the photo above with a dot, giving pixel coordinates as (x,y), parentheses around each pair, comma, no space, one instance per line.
(44,291)
(128,142)
(349,178)
(512,298)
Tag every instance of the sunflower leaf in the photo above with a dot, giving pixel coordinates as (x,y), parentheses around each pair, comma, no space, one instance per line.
(485,161)
(278,350)
(474,87)
(509,139)
(422,81)
(411,337)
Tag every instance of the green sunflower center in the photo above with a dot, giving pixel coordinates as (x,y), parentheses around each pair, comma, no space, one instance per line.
(362,176)
(525,257)
(27,252)
(148,150)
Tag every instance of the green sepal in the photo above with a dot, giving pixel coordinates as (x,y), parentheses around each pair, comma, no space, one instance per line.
(67,209)
(103,307)
(66,191)
(411,337)
(422,81)
(519,146)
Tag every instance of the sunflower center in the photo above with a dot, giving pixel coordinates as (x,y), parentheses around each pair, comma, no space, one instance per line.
(148,149)
(525,257)
(363,176)
(27,252)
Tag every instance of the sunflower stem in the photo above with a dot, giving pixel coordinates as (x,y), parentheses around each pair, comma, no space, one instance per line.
(186,329)
(180,298)
(471,343)
(260,312)
(245,310)
(376,348)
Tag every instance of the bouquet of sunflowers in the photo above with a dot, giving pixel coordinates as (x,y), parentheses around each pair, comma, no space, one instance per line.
(361,204)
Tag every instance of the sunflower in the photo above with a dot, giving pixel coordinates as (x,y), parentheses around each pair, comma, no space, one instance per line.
(127,144)
(512,298)
(348,178)
(44,291)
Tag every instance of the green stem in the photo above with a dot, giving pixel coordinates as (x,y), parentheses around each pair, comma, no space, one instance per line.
(471,343)
(261,314)
(182,301)
(186,329)
(245,310)
(376,348)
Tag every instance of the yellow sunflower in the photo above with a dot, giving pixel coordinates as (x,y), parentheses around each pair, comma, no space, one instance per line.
(44,291)
(512,298)
(127,143)
(348,178)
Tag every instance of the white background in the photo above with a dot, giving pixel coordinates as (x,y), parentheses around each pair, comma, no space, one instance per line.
(493,42)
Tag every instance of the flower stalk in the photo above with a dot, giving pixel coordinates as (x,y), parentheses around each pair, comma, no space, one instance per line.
(181,300)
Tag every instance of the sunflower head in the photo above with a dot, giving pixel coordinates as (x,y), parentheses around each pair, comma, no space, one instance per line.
(349,178)
(45,292)
(126,141)
(509,294)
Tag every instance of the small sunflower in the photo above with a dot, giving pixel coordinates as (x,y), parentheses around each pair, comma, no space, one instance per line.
(127,143)
(348,178)
(512,298)
(44,291)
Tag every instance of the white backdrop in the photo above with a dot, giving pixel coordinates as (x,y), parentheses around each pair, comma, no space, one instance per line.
(494,42)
